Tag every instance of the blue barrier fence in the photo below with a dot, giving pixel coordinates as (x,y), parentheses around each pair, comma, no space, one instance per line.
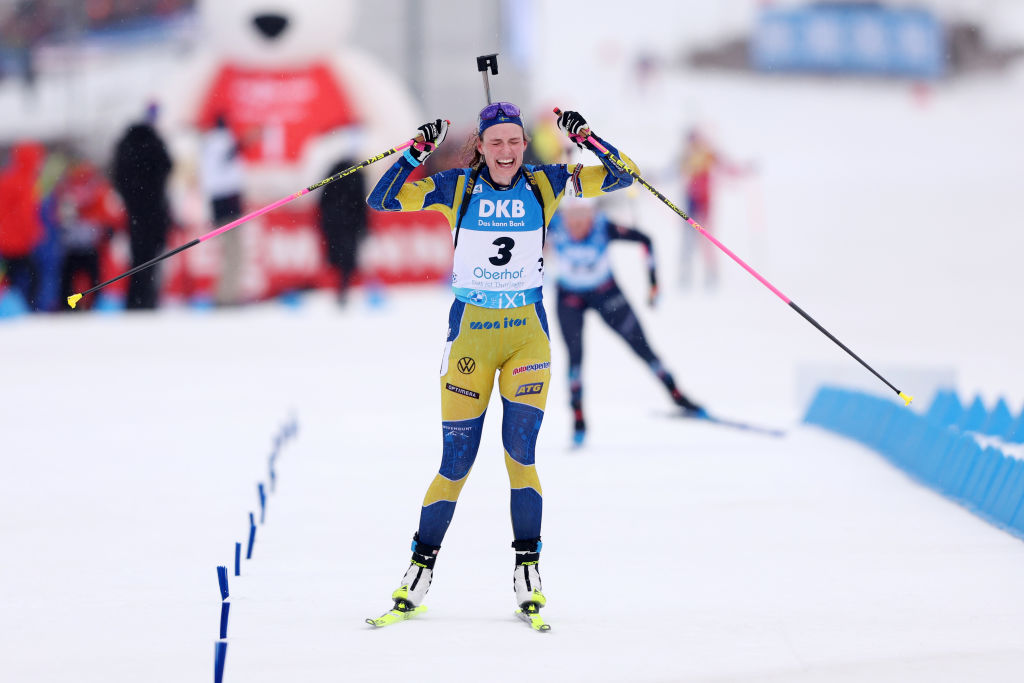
(940,448)
(221,645)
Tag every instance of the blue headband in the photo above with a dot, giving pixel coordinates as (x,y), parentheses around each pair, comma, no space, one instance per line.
(499,116)
(484,125)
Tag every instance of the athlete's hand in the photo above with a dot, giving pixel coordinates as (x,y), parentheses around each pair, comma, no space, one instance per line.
(428,137)
(575,126)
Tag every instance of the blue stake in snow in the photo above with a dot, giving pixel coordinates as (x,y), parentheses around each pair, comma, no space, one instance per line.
(238,558)
(252,536)
(224,608)
(273,475)
(220,652)
(263,502)
(222,579)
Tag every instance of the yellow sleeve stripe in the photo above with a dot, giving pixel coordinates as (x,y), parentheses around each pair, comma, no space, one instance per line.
(411,195)
(547,192)
(452,212)
(593,177)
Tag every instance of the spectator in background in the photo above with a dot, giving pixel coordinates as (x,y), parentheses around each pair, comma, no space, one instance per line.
(343,217)
(141,169)
(223,178)
(547,144)
(701,162)
(88,212)
(21,229)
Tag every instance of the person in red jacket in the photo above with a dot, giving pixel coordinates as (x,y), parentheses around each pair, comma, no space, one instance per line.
(702,163)
(21,228)
(88,214)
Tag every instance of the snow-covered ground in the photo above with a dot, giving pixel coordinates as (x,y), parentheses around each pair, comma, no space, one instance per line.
(132,446)
(673,550)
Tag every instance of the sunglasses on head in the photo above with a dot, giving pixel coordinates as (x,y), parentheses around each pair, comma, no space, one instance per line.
(491,111)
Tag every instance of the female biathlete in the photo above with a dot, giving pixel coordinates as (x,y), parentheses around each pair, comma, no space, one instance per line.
(499,210)
(580,237)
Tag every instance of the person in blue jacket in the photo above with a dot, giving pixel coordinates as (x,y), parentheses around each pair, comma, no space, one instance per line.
(580,236)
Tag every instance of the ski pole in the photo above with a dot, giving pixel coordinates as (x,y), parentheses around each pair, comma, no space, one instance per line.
(792,304)
(75,298)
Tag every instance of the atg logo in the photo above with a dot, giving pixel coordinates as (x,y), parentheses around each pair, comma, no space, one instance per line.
(502,208)
(529,389)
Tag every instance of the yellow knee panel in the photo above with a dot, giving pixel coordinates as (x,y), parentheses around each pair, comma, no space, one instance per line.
(443,488)
(522,476)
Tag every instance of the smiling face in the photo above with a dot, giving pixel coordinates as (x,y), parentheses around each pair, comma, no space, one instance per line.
(502,146)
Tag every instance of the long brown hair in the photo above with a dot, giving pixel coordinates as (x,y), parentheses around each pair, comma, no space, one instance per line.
(471,157)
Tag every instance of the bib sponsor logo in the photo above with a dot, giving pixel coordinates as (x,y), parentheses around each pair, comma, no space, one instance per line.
(515,300)
(466,365)
(484,274)
(502,208)
(530,389)
(477,297)
(497,324)
(531,367)
(463,392)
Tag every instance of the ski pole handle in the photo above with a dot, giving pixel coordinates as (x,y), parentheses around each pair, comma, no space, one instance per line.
(584,134)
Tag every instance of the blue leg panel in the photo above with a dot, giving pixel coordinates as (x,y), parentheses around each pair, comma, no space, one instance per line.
(526,506)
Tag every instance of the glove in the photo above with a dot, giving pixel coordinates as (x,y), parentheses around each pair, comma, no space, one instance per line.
(575,126)
(430,135)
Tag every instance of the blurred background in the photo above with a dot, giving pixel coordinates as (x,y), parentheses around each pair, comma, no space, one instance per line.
(865,157)
(866,152)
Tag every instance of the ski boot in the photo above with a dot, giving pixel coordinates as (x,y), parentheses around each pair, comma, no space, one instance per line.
(527,584)
(689,407)
(409,596)
(579,429)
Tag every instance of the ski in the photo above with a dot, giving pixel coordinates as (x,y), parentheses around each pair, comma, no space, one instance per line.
(733,424)
(400,612)
(531,615)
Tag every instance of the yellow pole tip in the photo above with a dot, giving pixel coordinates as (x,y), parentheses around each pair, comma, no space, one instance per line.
(906,399)
(74,299)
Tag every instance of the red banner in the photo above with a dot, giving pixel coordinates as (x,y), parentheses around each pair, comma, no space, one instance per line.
(285,250)
(276,111)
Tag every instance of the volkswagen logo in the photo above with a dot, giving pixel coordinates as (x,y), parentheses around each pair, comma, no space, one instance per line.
(466,365)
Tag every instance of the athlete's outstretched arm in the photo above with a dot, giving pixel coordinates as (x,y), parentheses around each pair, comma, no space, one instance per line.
(619,232)
(436,193)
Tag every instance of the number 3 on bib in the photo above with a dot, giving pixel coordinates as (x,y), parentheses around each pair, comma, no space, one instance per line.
(505,245)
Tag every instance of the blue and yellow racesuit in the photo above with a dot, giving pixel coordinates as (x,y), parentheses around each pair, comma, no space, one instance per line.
(497,321)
